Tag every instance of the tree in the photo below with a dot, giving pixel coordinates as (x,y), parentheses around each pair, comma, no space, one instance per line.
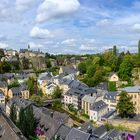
(82,68)
(125,70)
(57,93)
(112,86)
(15,83)
(57,104)
(48,64)
(27,122)
(1,53)
(37,99)
(30,122)
(91,71)
(32,85)
(125,106)
(115,50)
(21,121)
(25,63)
(13,114)
(139,49)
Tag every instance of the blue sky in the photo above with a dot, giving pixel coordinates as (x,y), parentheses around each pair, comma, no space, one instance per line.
(70,26)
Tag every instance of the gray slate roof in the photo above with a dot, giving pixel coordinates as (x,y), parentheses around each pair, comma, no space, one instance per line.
(100,131)
(87,126)
(16,90)
(111,95)
(89,99)
(99,105)
(132,89)
(63,131)
(76,134)
(3,84)
(112,134)
(19,102)
(69,69)
(50,120)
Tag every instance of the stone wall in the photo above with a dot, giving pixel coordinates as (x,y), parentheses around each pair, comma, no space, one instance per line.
(132,125)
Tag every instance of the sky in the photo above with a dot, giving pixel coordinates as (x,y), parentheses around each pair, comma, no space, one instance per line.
(70,26)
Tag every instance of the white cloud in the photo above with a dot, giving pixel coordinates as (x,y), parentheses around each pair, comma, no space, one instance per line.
(35,46)
(37,32)
(3,45)
(136,27)
(103,22)
(86,47)
(69,42)
(89,45)
(56,8)
(22,5)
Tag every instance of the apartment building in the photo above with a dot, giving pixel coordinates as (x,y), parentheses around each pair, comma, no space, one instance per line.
(134,92)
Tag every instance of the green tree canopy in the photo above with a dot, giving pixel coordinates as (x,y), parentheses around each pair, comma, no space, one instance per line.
(27,122)
(57,93)
(125,106)
(13,113)
(82,67)
(125,70)
(91,71)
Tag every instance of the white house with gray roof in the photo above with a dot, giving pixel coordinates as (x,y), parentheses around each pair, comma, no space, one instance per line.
(74,96)
(111,99)
(99,109)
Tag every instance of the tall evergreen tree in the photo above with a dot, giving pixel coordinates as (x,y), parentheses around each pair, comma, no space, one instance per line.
(125,106)
(21,121)
(13,114)
(30,122)
(27,122)
(115,50)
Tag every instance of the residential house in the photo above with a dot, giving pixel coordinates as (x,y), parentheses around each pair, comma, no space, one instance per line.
(74,96)
(48,88)
(62,132)
(2,100)
(111,99)
(4,87)
(44,78)
(51,121)
(18,92)
(76,134)
(113,134)
(87,102)
(2,97)
(27,71)
(113,77)
(87,127)
(18,103)
(134,93)
(100,132)
(102,86)
(68,70)
(10,52)
(66,84)
(21,78)
(99,109)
